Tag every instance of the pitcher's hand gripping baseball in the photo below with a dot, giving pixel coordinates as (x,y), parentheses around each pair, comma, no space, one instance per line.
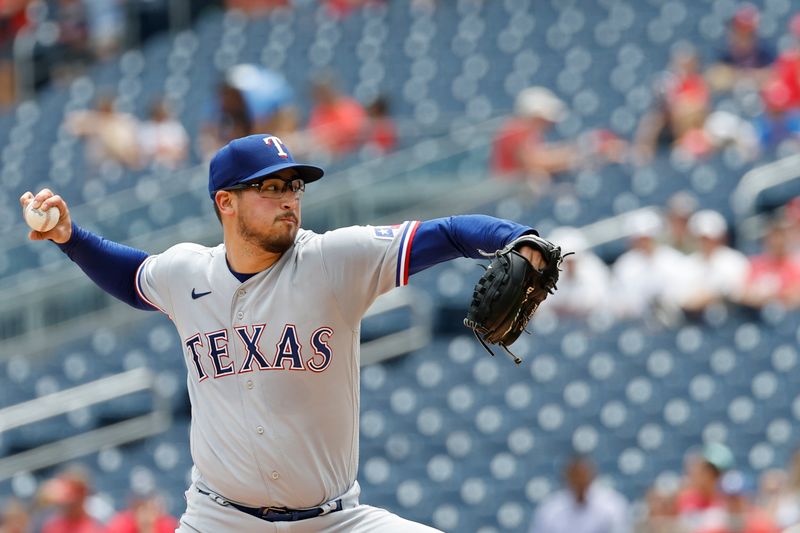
(510,291)
(44,200)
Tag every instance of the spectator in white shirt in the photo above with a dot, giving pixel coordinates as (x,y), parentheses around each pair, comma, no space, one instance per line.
(715,272)
(644,277)
(163,141)
(584,282)
(584,506)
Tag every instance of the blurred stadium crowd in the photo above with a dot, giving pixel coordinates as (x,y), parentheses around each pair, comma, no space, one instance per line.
(682,263)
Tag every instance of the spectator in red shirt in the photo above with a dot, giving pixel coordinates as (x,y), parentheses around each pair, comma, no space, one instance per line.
(68,492)
(740,515)
(700,500)
(13,18)
(787,67)
(520,151)
(381,133)
(337,122)
(343,8)
(256,8)
(145,515)
(681,105)
(775,274)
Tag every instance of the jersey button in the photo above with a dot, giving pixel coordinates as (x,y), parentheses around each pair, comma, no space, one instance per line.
(249,384)
(240,315)
(260,430)
(275,475)
(242,292)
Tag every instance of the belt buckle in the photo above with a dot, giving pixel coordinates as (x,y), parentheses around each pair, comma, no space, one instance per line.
(278,510)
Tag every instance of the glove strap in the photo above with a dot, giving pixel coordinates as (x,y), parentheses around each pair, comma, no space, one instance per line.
(513,357)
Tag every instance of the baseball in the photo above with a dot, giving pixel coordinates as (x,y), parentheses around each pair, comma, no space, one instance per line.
(42,221)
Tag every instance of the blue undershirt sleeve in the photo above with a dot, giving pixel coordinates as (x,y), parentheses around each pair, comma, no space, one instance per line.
(442,239)
(112,266)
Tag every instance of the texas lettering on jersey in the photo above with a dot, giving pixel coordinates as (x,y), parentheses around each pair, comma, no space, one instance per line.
(209,355)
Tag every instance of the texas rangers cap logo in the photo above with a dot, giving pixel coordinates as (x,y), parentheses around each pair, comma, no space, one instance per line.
(278,144)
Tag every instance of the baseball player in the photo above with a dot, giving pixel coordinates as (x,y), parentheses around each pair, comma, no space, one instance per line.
(269,322)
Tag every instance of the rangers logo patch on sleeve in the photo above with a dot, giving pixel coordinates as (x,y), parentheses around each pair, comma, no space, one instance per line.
(384,232)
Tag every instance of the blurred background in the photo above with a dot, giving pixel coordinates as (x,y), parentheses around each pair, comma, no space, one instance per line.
(656,138)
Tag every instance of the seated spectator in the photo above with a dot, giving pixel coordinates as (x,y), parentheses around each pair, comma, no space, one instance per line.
(660,513)
(110,135)
(739,514)
(716,272)
(144,515)
(774,275)
(106,22)
(584,506)
(68,492)
(337,122)
(778,499)
(643,278)
(13,19)
(746,56)
(14,517)
(778,123)
(163,140)
(681,104)
(380,134)
(584,282)
(680,207)
(700,501)
(789,510)
(787,66)
(343,8)
(520,150)
(251,99)
(791,216)
(724,129)
(71,53)
(256,8)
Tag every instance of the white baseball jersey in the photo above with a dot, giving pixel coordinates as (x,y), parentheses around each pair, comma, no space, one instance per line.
(273,362)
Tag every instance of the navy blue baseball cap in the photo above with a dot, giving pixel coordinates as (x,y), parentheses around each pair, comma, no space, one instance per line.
(251,157)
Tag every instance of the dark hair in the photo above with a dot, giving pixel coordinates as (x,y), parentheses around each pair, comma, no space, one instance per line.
(379,106)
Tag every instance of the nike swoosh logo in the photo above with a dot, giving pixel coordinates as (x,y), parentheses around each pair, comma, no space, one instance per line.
(196,295)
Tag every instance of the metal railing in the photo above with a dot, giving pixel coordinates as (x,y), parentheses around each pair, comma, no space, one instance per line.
(752,185)
(759,179)
(417,335)
(82,396)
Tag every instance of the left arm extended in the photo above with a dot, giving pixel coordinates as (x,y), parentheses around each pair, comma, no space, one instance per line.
(443,239)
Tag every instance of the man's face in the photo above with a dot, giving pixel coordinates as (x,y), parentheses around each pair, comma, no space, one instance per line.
(268,223)
(775,243)
(579,477)
(702,476)
(709,244)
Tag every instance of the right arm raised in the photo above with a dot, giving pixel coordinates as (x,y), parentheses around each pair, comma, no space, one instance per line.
(110,265)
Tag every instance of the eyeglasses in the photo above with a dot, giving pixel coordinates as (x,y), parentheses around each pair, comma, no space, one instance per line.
(273,188)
